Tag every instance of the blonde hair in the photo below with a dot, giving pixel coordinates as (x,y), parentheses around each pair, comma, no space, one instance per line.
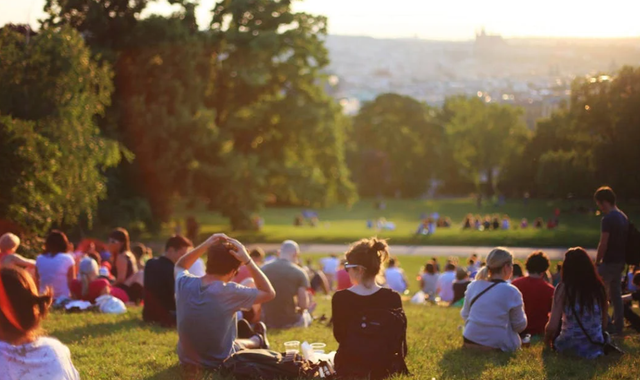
(483,274)
(498,258)
(88,269)
(9,241)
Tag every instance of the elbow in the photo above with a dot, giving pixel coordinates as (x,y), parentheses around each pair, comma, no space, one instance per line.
(271,295)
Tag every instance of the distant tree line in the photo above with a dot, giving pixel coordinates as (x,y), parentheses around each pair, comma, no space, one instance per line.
(400,146)
(106,117)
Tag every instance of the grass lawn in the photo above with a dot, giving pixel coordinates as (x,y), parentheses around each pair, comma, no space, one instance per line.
(121,347)
(340,225)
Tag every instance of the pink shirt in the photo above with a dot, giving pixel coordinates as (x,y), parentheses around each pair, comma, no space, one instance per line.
(344,281)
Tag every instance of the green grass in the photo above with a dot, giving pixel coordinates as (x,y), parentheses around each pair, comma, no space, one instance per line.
(121,347)
(341,225)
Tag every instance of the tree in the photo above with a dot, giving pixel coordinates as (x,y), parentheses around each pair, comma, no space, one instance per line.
(483,136)
(280,136)
(397,145)
(53,155)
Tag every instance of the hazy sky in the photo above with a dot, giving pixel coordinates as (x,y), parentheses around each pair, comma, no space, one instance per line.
(433,19)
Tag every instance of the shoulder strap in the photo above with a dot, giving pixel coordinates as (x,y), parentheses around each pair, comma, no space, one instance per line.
(573,308)
(483,292)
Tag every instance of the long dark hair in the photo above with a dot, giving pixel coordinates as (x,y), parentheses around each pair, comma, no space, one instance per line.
(121,235)
(55,243)
(582,284)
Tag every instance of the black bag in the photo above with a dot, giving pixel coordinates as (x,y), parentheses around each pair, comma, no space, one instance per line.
(632,253)
(375,345)
(607,346)
(267,365)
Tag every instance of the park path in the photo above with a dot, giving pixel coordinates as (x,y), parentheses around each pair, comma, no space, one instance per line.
(427,250)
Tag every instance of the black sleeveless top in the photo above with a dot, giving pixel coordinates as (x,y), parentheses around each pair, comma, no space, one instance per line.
(114,269)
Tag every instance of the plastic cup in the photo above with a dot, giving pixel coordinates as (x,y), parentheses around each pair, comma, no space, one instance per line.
(292,348)
(318,348)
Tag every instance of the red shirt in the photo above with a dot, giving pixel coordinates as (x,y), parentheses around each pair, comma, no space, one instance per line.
(537,295)
(96,289)
(344,281)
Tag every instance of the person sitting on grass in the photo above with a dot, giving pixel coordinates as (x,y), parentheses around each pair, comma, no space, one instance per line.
(364,261)
(159,288)
(89,287)
(291,284)
(537,293)
(579,299)
(257,255)
(55,268)
(517,272)
(124,263)
(9,243)
(445,282)
(629,315)
(343,279)
(207,307)
(24,353)
(493,310)
(429,282)
(460,286)
(395,277)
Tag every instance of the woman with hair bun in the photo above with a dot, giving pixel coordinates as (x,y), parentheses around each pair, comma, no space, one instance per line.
(366,348)
(24,353)
(493,310)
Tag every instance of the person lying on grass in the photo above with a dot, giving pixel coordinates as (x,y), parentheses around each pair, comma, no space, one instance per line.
(24,353)
(493,310)
(206,307)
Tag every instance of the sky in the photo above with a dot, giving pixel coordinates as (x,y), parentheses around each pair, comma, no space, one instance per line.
(431,19)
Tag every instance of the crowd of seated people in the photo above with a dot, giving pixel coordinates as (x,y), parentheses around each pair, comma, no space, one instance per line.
(215,315)
(496,222)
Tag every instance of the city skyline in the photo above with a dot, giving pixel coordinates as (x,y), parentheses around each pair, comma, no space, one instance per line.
(453,20)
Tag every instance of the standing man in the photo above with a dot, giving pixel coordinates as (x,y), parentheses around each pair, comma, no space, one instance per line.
(611,251)
(291,284)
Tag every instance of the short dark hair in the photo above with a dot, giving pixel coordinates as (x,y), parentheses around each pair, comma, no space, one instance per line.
(220,261)
(56,242)
(430,268)
(258,253)
(537,262)
(605,194)
(138,250)
(392,262)
(177,242)
(517,270)
(450,266)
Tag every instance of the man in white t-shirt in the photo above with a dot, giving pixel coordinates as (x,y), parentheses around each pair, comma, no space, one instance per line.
(445,283)
(330,268)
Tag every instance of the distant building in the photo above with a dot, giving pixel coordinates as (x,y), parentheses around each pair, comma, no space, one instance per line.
(485,42)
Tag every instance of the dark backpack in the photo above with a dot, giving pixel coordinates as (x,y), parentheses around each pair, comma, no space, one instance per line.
(632,253)
(266,365)
(375,345)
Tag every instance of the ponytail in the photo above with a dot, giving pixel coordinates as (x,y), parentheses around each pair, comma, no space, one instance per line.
(370,254)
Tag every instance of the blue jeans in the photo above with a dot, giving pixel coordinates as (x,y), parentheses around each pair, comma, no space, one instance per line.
(611,274)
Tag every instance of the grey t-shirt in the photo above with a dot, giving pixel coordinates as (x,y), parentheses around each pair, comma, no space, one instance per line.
(207,322)
(616,224)
(286,279)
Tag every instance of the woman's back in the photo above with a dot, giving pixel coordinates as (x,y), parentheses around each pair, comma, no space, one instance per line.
(430,283)
(395,279)
(573,339)
(496,317)
(53,272)
(44,358)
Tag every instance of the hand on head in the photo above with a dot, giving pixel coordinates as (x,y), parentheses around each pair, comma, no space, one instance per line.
(239,252)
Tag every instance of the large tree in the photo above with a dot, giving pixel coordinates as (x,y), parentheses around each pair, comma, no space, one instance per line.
(396,146)
(53,156)
(483,137)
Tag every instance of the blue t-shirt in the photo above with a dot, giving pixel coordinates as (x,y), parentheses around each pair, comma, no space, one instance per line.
(616,224)
(207,322)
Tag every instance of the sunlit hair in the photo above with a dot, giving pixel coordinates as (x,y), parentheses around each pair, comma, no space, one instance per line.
(483,274)
(369,254)
(88,270)
(29,307)
(121,235)
(605,194)
(56,242)
(9,242)
(582,284)
(220,261)
(498,258)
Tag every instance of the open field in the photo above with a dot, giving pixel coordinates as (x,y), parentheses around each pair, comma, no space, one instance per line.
(340,225)
(121,347)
